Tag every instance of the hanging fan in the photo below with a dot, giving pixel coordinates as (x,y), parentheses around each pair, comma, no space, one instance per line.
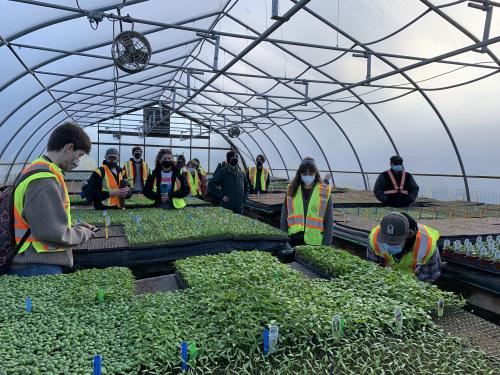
(234,132)
(131,51)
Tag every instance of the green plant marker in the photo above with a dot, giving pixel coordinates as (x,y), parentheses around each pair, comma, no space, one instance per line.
(100,296)
(192,352)
(398,320)
(440,304)
(337,326)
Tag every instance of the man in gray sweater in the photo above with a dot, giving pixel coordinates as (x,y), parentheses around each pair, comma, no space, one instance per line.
(41,205)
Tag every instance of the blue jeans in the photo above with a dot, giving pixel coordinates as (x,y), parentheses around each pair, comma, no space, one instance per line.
(36,270)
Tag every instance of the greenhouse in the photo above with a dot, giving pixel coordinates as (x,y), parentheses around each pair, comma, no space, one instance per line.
(249,187)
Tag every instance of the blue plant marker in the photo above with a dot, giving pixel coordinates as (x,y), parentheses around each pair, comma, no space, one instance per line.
(137,219)
(78,221)
(184,355)
(97,365)
(28,305)
(266,342)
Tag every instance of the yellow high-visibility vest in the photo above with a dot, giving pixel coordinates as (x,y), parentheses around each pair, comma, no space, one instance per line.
(312,224)
(252,174)
(48,170)
(423,249)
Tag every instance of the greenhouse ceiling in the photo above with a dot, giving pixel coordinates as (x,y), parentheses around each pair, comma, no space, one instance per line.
(347,82)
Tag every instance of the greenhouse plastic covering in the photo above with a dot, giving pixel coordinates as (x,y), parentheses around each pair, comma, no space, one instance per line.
(349,83)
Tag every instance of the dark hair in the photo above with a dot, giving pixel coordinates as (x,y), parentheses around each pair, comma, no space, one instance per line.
(230,155)
(307,165)
(160,154)
(197,160)
(261,156)
(69,133)
(136,148)
(181,157)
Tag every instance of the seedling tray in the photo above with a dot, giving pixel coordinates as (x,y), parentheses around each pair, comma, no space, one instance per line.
(311,267)
(115,251)
(472,262)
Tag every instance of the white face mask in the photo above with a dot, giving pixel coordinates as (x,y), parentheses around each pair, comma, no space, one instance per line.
(307,180)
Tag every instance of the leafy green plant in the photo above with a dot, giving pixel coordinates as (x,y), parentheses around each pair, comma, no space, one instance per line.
(230,299)
(152,226)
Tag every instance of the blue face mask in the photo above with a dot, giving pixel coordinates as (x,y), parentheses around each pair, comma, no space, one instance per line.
(391,249)
(397,168)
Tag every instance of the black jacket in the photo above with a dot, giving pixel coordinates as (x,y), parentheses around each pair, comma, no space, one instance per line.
(95,188)
(232,183)
(384,183)
(155,177)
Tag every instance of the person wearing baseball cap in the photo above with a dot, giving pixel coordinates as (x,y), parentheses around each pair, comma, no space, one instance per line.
(107,185)
(400,243)
(395,187)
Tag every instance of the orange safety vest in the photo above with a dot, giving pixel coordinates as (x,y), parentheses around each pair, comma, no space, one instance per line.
(109,183)
(396,189)
(47,170)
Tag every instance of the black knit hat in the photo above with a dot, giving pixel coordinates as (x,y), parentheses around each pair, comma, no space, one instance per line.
(396,159)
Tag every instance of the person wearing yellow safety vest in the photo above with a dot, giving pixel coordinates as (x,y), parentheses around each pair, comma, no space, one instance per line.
(194,179)
(307,213)
(167,184)
(396,187)
(258,176)
(136,171)
(42,213)
(200,168)
(203,176)
(108,185)
(400,243)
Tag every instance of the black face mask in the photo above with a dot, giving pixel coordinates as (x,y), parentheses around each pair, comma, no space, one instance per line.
(259,163)
(167,164)
(233,161)
(137,155)
(112,164)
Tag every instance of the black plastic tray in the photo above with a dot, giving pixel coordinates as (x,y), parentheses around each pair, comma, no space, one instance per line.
(135,256)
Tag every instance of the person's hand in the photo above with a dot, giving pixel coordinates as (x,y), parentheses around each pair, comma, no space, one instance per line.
(93,228)
(114,193)
(123,192)
(225,199)
(165,198)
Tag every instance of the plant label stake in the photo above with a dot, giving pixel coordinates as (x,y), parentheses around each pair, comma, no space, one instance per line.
(192,352)
(266,342)
(482,253)
(28,305)
(184,355)
(97,365)
(100,296)
(137,219)
(337,326)
(107,223)
(440,307)
(497,256)
(446,244)
(270,339)
(398,320)
(469,251)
